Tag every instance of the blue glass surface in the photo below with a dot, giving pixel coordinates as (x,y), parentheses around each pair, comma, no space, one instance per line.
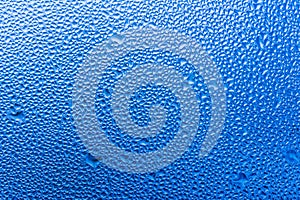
(255,46)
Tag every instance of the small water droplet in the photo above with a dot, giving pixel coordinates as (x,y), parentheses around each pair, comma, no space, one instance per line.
(182,61)
(91,160)
(117,38)
(16,113)
(292,156)
(241,179)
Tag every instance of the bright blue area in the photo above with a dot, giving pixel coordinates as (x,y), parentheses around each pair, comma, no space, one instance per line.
(255,44)
(144,98)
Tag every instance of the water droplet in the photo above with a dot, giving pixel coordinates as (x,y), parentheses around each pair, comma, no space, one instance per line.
(292,156)
(117,38)
(241,179)
(16,113)
(91,160)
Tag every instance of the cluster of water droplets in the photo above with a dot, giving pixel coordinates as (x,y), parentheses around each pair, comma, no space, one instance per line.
(254,44)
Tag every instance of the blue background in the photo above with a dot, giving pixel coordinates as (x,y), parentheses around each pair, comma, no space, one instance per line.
(255,45)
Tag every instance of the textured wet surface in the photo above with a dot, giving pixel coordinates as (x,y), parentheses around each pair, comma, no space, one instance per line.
(255,46)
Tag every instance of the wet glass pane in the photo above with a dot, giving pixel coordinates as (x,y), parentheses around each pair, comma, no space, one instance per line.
(150,99)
